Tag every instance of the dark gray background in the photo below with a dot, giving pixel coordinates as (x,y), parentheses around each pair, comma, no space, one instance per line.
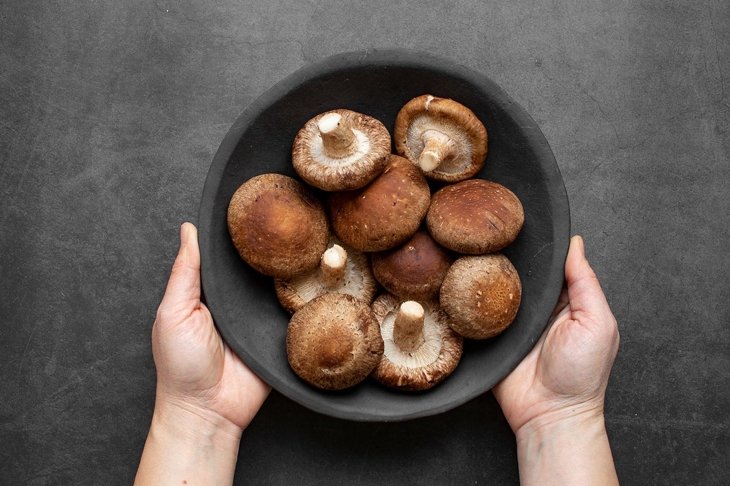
(110,113)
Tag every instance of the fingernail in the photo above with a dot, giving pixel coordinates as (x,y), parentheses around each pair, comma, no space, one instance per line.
(579,244)
(184,235)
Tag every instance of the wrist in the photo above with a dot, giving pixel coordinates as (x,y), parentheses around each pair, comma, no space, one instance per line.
(188,444)
(569,419)
(567,446)
(191,422)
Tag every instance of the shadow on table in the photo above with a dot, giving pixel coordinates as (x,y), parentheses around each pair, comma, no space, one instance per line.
(289,444)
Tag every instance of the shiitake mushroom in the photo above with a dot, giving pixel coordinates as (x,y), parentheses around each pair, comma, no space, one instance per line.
(377,204)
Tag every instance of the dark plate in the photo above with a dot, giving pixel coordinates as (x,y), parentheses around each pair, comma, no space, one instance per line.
(378,83)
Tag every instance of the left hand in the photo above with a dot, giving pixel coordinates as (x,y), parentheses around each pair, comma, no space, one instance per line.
(196,370)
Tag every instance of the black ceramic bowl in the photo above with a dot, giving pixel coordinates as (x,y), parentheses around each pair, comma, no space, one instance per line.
(378,83)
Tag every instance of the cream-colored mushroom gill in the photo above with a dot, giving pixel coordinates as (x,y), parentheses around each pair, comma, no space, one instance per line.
(338,142)
(439,145)
(407,322)
(347,278)
(317,151)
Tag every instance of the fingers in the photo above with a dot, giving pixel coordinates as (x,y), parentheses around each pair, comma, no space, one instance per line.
(183,288)
(584,290)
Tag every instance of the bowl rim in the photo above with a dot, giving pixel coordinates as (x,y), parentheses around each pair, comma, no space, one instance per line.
(383,58)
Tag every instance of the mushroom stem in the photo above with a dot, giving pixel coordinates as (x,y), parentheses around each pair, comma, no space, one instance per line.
(438,147)
(332,266)
(408,326)
(338,138)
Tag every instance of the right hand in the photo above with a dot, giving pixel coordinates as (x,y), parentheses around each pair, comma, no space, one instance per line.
(566,373)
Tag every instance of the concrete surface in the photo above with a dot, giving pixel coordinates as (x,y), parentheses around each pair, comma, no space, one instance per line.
(110,113)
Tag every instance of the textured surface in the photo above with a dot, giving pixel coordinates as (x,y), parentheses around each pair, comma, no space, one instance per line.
(110,113)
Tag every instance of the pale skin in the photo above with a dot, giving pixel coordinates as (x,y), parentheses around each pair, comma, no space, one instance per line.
(554,399)
(206,396)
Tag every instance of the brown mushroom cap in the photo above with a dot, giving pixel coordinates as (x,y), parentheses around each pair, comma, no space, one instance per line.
(413,271)
(277,225)
(442,136)
(481,294)
(333,342)
(420,348)
(340,150)
(475,216)
(341,270)
(386,212)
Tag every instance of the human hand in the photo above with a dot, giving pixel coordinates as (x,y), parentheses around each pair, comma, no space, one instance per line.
(205,395)
(568,369)
(195,368)
(556,394)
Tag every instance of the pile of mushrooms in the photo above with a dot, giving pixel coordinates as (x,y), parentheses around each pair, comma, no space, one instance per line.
(383,278)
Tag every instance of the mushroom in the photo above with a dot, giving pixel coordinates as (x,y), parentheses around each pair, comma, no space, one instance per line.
(442,136)
(413,271)
(420,348)
(481,294)
(339,271)
(277,225)
(475,216)
(333,342)
(386,212)
(340,150)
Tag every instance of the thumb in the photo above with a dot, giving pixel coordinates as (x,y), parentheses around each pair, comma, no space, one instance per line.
(584,291)
(183,289)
